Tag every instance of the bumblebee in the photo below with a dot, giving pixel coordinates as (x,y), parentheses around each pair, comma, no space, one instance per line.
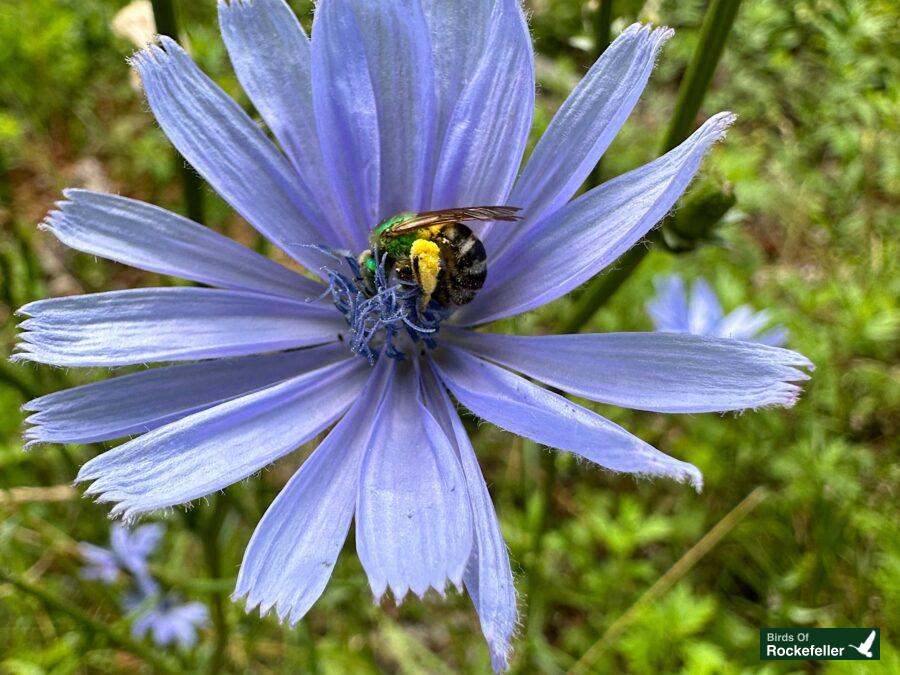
(435,251)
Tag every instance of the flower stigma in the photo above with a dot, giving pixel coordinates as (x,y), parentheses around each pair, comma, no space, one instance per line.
(384,314)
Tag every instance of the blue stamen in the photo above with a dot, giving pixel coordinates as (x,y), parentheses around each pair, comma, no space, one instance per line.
(386,310)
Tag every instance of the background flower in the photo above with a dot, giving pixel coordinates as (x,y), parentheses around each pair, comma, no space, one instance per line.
(163,616)
(700,313)
(128,552)
(170,621)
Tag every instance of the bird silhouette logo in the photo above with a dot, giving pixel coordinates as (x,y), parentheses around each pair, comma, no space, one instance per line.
(865,648)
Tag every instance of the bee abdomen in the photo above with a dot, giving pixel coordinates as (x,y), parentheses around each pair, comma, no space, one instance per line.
(465,265)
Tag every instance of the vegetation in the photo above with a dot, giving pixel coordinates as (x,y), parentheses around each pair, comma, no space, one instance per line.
(814,167)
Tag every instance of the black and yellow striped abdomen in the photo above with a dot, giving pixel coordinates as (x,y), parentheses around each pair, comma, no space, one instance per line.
(463,265)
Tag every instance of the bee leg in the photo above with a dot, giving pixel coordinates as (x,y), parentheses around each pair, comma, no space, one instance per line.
(425,257)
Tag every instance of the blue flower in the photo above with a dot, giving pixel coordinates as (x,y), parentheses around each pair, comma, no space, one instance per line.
(673,310)
(390,107)
(127,553)
(164,617)
(169,620)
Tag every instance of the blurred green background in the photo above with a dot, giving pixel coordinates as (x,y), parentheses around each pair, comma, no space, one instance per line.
(814,164)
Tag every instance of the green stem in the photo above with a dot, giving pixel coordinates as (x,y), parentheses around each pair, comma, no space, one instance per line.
(537,601)
(191,184)
(601,289)
(193,192)
(587,663)
(308,641)
(113,635)
(213,554)
(715,30)
(164,15)
(602,24)
(535,581)
(717,25)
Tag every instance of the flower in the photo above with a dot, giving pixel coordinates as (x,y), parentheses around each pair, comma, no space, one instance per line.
(169,621)
(390,107)
(673,311)
(164,616)
(128,553)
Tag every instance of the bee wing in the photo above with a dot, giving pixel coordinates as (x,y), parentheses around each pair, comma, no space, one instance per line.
(447,216)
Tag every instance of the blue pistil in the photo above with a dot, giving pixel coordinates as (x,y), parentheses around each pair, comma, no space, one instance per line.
(381,313)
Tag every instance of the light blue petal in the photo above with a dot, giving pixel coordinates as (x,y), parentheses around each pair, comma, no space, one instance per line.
(212,449)
(741,324)
(184,634)
(398,54)
(346,115)
(669,308)
(373,86)
(704,309)
(195,613)
(271,57)
(171,622)
(569,247)
(515,404)
(488,575)
(168,324)
(662,372)
(165,629)
(702,314)
(459,31)
(118,540)
(101,564)
(230,151)
(185,619)
(292,553)
(136,403)
(141,542)
(132,548)
(776,337)
(96,555)
(588,121)
(482,147)
(413,521)
(153,239)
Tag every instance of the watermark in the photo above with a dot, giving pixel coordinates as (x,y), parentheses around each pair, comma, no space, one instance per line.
(819,644)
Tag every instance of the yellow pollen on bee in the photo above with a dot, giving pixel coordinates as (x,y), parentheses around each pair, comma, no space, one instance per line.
(426,258)
(430,232)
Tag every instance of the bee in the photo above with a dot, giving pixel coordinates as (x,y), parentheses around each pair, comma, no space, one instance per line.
(435,251)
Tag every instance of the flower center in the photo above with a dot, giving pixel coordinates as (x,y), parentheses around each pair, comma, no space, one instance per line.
(385,314)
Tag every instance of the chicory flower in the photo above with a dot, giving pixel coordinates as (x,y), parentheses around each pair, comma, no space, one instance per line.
(674,310)
(392,106)
(164,617)
(127,553)
(169,621)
